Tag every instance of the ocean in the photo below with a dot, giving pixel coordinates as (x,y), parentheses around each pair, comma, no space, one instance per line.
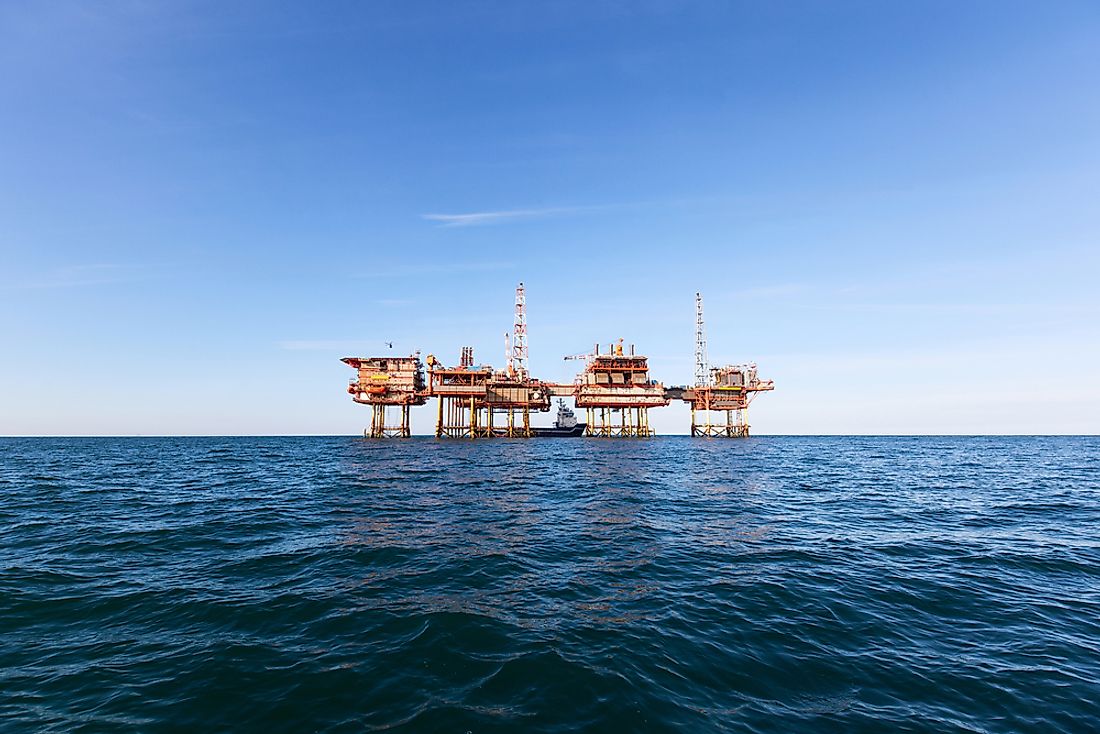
(772,584)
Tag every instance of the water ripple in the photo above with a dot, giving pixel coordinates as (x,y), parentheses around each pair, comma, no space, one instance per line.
(331,584)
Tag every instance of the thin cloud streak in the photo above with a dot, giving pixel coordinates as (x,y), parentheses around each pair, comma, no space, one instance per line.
(76,276)
(478,219)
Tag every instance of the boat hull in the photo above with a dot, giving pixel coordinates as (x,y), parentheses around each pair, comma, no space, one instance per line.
(577,430)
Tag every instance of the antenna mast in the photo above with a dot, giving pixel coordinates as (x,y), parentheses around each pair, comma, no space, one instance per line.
(702,371)
(519,333)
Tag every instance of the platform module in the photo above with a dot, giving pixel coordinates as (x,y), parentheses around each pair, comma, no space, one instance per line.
(391,386)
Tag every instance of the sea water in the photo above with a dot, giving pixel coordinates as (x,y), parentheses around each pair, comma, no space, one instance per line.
(340,584)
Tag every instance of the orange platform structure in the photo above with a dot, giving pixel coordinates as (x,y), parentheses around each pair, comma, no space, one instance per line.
(476,401)
(390,385)
(614,388)
(617,393)
(720,407)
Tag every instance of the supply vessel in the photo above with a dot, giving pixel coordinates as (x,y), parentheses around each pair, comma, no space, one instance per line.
(565,425)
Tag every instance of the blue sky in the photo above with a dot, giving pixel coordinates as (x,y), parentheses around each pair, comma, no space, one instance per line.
(890,207)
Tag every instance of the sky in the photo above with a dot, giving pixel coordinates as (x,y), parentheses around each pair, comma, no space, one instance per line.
(892,208)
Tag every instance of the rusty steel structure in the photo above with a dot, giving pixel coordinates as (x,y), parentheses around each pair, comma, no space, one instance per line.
(720,398)
(388,385)
(617,385)
(614,388)
(720,408)
(476,401)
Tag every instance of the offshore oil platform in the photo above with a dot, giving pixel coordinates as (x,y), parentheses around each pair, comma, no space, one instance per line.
(614,389)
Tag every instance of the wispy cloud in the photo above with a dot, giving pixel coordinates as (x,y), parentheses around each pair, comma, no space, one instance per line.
(478,219)
(500,216)
(75,276)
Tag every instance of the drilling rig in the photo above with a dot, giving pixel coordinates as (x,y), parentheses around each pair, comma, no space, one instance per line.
(614,389)
(720,398)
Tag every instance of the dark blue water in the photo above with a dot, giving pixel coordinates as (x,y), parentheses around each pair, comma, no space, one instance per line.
(337,584)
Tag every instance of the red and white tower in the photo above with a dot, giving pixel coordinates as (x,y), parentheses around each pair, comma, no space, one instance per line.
(702,366)
(519,334)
